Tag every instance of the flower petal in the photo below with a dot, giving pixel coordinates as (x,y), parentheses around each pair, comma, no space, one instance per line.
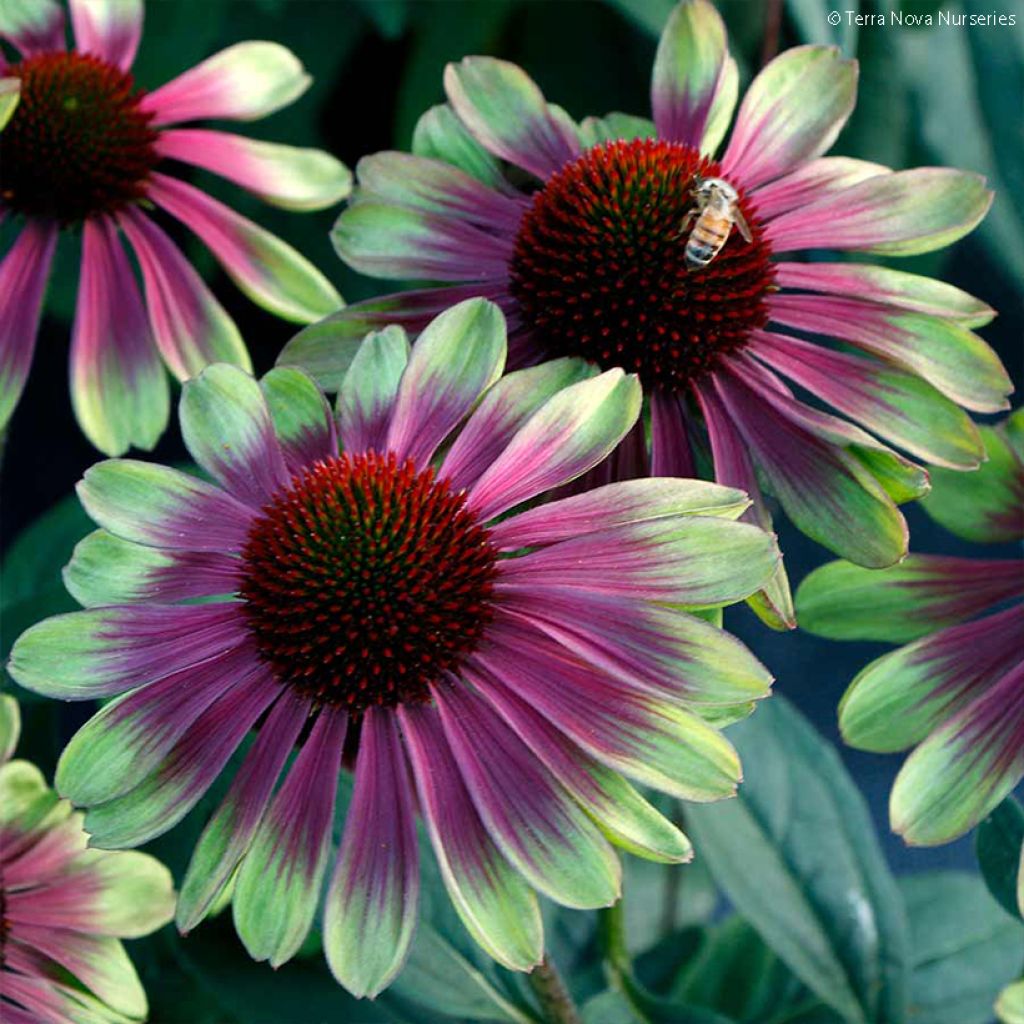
(723,103)
(370,910)
(696,561)
(824,490)
(118,385)
(907,601)
(622,814)
(244,82)
(23,275)
(988,505)
(493,901)
(278,884)
(613,127)
(292,177)
(190,326)
(951,358)
(566,436)
(891,287)
(455,360)
(501,412)
(226,426)
(810,182)
(106,570)
(896,214)
(230,831)
(964,769)
(10,96)
(898,699)
(96,653)
(108,29)
(440,135)
(302,417)
(687,70)
(792,112)
(629,501)
(10,726)
(34,27)
(366,399)
(383,240)
(272,273)
(502,106)
(162,507)
(894,404)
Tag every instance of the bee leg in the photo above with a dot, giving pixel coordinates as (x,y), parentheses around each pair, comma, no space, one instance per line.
(741,223)
(686,222)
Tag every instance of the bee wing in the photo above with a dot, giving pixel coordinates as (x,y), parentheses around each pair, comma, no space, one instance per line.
(741,223)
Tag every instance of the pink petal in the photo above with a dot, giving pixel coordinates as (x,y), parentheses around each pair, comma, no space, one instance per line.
(109,29)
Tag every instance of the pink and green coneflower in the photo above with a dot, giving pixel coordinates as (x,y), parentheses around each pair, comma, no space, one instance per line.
(956,691)
(65,908)
(576,231)
(380,589)
(84,151)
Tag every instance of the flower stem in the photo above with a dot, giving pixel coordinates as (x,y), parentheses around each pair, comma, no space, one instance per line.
(555,1001)
(618,967)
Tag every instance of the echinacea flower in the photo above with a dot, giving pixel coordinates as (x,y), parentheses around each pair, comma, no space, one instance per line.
(375,594)
(85,151)
(65,908)
(579,233)
(956,692)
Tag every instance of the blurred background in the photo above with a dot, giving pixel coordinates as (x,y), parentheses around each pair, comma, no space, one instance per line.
(947,94)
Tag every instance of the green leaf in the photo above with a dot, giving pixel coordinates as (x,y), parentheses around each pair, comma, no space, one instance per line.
(796,854)
(998,845)
(964,948)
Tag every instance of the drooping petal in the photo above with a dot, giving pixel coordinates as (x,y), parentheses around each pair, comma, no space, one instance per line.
(986,506)
(327,349)
(106,570)
(624,816)
(366,398)
(440,135)
(671,454)
(455,360)
(668,653)
(267,269)
(302,417)
(278,884)
(493,901)
(536,825)
(810,182)
(104,651)
(370,909)
(226,426)
(33,27)
(654,741)
(951,358)
(292,177)
(118,385)
(190,326)
(23,275)
(10,727)
(687,71)
(433,186)
(244,82)
(615,126)
(964,768)
(891,287)
(10,97)
(127,739)
(618,504)
(697,561)
(502,106)
(792,112)
(163,507)
(190,767)
(773,604)
(907,601)
(384,240)
(566,436)
(896,214)
(109,29)
(827,493)
(230,831)
(501,412)
(896,405)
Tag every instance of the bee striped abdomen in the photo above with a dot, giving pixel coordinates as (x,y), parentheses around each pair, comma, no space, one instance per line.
(709,234)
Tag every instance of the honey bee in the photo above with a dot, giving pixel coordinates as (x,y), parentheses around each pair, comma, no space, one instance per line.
(716,212)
